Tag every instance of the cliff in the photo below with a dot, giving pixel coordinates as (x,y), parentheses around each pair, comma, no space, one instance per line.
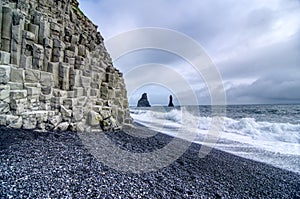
(55,72)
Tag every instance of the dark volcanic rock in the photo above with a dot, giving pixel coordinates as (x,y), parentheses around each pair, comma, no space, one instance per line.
(143,102)
(171,102)
(58,165)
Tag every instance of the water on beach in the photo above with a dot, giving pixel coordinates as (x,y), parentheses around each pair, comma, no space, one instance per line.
(265,133)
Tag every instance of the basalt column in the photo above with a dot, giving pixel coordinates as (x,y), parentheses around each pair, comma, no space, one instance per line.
(55,73)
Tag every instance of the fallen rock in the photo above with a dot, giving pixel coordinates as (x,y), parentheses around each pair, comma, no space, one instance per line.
(94,118)
(62,126)
(14,121)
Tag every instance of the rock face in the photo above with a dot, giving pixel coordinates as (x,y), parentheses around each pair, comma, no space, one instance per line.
(143,102)
(171,101)
(55,72)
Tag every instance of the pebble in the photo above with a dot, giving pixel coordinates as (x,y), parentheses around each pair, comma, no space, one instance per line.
(44,165)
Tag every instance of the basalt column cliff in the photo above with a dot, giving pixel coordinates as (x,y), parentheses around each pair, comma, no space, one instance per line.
(55,73)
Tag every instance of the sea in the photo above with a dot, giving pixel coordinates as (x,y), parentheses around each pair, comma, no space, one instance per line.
(264,133)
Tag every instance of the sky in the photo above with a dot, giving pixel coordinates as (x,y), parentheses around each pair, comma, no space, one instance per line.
(254,45)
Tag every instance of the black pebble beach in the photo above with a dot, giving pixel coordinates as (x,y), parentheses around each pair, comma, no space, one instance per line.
(58,165)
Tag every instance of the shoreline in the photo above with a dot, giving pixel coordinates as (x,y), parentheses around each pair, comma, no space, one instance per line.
(57,164)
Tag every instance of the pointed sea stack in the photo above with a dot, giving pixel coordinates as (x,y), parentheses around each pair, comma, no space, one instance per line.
(171,102)
(143,102)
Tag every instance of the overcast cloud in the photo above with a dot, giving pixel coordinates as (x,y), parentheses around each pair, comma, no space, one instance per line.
(254,44)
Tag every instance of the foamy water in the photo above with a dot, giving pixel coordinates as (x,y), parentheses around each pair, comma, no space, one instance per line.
(257,134)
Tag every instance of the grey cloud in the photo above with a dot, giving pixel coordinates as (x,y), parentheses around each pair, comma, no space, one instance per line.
(283,57)
(257,40)
(266,90)
(140,57)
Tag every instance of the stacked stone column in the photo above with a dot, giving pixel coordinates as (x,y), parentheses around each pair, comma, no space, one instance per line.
(55,72)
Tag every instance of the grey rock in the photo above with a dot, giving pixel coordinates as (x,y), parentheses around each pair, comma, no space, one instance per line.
(7,17)
(4,107)
(4,92)
(38,57)
(14,121)
(18,94)
(77,113)
(28,35)
(143,102)
(62,126)
(4,58)
(170,101)
(35,30)
(4,74)
(53,58)
(44,32)
(29,122)
(33,91)
(85,82)
(32,76)
(18,105)
(65,112)
(17,75)
(16,43)
(80,127)
(55,120)
(26,61)
(64,72)
(15,86)
(47,43)
(47,79)
(2,118)
(94,118)
(54,69)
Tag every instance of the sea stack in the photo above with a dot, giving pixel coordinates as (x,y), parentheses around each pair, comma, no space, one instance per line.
(171,101)
(143,102)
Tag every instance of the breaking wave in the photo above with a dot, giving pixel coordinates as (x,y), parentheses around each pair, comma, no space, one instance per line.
(246,137)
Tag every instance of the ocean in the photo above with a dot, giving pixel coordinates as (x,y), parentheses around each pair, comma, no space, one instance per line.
(264,133)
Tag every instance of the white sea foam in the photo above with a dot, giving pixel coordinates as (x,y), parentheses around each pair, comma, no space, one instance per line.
(238,135)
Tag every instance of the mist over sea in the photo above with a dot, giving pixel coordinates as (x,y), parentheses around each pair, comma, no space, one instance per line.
(264,133)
